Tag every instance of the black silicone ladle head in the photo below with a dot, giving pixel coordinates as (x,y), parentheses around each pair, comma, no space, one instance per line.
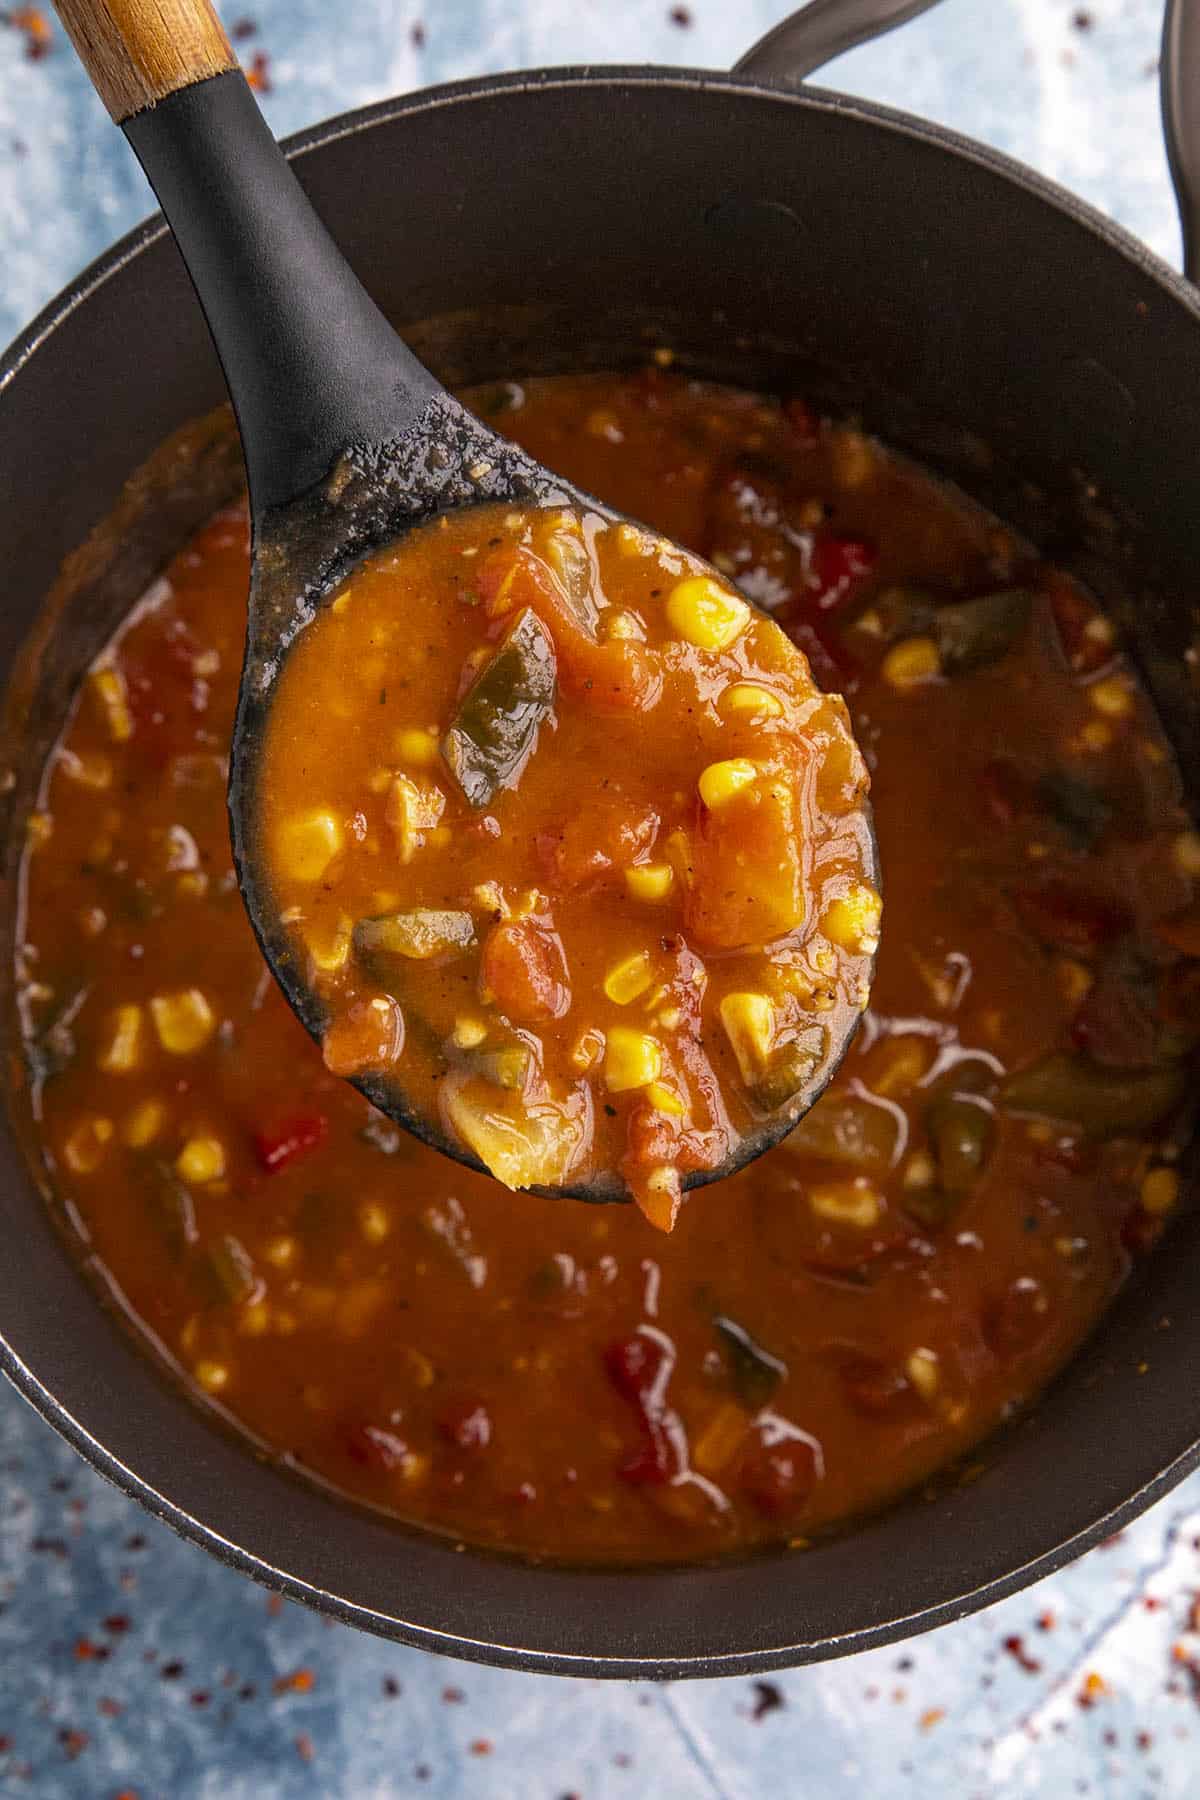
(349,441)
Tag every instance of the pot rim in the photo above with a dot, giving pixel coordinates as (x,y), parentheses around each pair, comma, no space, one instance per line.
(698,1663)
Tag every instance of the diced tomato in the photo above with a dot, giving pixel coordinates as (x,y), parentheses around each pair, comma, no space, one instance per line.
(1016,1321)
(780,1477)
(279,1147)
(619,676)
(1083,634)
(747,874)
(372,1447)
(639,1367)
(466,1423)
(804,423)
(878,1389)
(592,846)
(1070,918)
(836,568)
(1005,792)
(523,971)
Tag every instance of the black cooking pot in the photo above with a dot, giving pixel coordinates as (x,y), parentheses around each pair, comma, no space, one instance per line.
(974,316)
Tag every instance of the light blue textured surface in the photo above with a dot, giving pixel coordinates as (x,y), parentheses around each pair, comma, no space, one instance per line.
(131,1663)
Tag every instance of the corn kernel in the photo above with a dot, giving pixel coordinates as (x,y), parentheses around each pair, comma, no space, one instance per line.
(123,1050)
(108,685)
(192,886)
(212,1376)
(201,1160)
(39,829)
(92,921)
(417,748)
(1160,1191)
(912,663)
(468,1033)
(852,457)
(631,1059)
(281,1252)
(665,1100)
(1096,736)
(923,1372)
(90,768)
(1112,697)
(413,808)
(307,845)
(664,356)
(629,978)
(184,1021)
(649,882)
(746,700)
(620,627)
(898,1065)
(919,1172)
(143,1124)
(749,1021)
(1186,850)
(632,542)
(723,781)
(84,1150)
(418,1366)
(705,613)
(254,1320)
(329,951)
(855,1203)
(852,922)
(718,1442)
(374,1221)
(1074,980)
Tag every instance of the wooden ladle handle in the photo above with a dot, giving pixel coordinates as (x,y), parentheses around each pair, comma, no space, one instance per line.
(139,51)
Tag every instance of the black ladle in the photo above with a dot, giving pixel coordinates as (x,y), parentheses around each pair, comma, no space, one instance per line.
(349,441)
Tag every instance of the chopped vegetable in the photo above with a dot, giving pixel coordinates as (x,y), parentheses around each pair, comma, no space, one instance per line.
(230,1270)
(413,936)
(961,1132)
(282,1145)
(847,1129)
(755,1373)
(1104,1102)
(971,634)
(495,729)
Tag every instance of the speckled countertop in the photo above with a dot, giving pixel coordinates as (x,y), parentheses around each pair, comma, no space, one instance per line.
(131,1665)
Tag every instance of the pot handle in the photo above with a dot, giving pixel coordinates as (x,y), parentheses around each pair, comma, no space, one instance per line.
(1181,120)
(823,29)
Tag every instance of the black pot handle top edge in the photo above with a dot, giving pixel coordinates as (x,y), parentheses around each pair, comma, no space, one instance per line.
(1180,85)
(800,44)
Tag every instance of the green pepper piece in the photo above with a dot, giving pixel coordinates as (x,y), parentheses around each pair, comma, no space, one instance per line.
(504,1065)
(413,936)
(846,1130)
(961,1134)
(173,1209)
(970,634)
(495,728)
(229,1270)
(755,1373)
(1076,806)
(792,1066)
(1105,1102)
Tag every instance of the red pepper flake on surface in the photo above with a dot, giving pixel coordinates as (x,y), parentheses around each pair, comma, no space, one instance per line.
(452,1696)
(481,1746)
(416,34)
(1014,1646)
(391,1688)
(933,1715)
(32,21)
(241,29)
(109,1708)
(258,75)
(171,1671)
(1046,1621)
(768,1698)
(74,1742)
(304,1747)
(300,1681)
(681,16)
(116,1624)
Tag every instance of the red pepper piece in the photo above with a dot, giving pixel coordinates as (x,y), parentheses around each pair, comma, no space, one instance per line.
(1084,651)
(523,970)
(1016,1321)
(836,567)
(276,1150)
(779,1478)
(880,1390)
(374,1448)
(1070,918)
(639,1367)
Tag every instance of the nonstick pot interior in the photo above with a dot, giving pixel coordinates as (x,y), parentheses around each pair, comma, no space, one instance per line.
(988,324)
